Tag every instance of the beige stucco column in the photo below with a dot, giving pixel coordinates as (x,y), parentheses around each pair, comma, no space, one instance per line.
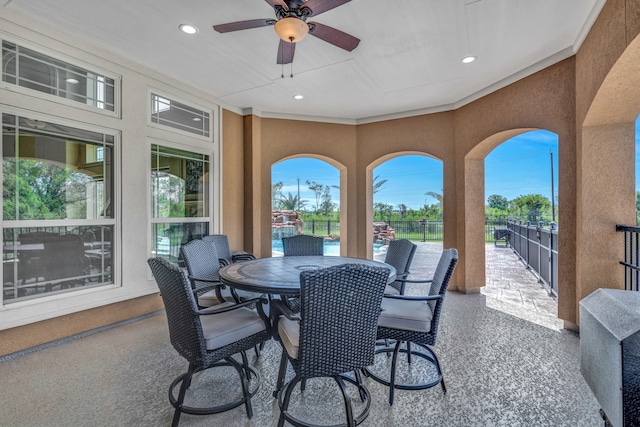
(473,258)
(606,163)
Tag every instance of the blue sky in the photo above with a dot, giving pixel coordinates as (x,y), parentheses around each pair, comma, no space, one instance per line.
(519,166)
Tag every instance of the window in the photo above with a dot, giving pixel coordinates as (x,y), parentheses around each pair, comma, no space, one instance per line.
(179,199)
(33,70)
(58,220)
(179,116)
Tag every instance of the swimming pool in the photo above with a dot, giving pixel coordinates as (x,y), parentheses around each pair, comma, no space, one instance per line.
(330,248)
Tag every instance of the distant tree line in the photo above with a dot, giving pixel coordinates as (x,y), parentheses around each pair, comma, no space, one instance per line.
(529,207)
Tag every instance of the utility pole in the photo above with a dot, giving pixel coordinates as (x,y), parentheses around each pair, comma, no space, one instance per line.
(553,198)
(298,194)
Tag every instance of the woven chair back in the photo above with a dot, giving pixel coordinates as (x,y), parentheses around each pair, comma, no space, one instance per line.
(201,260)
(185,330)
(221,243)
(400,255)
(302,245)
(440,283)
(339,314)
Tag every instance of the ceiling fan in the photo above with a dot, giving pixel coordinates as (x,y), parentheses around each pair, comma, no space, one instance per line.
(291,25)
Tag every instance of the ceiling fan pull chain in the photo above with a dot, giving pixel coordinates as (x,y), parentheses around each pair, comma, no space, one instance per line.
(291,39)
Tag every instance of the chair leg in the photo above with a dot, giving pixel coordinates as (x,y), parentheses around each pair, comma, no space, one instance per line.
(363,395)
(287,398)
(245,364)
(392,380)
(281,373)
(245,386)
(347,404)
(436,362)
(186,382)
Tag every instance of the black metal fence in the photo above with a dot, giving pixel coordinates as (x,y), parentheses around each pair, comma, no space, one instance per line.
(419,231)
(631,261)
(537,247)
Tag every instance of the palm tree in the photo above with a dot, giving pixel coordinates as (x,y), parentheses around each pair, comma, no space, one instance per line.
(290,203)
(377,185)
(439,197)
(402,209)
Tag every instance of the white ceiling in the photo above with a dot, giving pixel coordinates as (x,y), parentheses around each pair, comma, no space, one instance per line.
(408,60)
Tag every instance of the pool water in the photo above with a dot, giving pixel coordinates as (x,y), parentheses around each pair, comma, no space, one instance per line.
(330,248)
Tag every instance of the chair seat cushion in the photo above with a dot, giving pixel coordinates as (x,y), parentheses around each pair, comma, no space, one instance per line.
(390,290)
(289,332)
(208,299)
(243,295)
(405,315)
(223,329)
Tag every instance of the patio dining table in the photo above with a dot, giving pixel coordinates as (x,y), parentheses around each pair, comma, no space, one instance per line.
(281,275)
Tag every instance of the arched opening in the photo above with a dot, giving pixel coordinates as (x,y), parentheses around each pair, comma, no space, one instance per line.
(306,199)
(407,201)
(637,170)
(606,176)
(521,196)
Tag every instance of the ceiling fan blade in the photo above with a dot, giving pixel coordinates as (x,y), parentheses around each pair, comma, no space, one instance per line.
(285,52)
(280,3)
(243,25)
(333,36)
(316,7)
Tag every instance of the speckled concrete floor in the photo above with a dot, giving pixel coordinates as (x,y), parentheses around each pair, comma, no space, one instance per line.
(501,370)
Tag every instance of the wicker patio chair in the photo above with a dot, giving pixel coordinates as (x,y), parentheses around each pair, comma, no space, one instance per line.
(198,258)
(225,257)
(399,254)
(221,242)
(414,319)
(334,333)
(209,337)
(302,245)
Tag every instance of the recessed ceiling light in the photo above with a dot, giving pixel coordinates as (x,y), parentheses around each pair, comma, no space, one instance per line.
(298,96)
(72,81)
(189,29)
(468,59)
(196,119)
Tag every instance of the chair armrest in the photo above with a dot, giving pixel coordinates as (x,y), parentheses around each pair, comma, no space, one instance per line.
(415,298)
(223,262)
(413,281)
(214,281)
(279,307)
(242,256)
(231,307)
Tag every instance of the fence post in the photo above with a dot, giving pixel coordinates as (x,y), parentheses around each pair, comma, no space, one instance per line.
(328,227)
(424,230)
(539,236)
(552,226)
(313,226)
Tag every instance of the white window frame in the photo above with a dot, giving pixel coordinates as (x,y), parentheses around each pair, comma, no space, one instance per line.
(212,115)
(213,192)
(117,79)
(115,221)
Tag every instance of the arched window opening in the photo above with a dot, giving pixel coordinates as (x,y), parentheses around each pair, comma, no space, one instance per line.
(408,201)
(305,199)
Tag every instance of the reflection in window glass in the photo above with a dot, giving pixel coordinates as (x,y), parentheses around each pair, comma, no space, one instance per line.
(180,183)
(33,70)
(180,116)
(179,191)
(53,173)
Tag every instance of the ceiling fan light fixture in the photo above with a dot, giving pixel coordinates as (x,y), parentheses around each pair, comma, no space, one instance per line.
(468,59)
(291,29)
(298,96)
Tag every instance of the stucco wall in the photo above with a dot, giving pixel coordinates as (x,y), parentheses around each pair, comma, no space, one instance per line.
(597,88)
